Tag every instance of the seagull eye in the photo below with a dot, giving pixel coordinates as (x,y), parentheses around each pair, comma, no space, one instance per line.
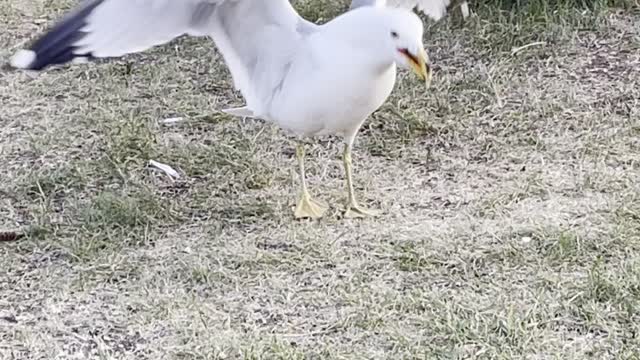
(394,34)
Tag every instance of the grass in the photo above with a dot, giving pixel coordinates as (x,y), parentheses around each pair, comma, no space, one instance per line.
(509,189)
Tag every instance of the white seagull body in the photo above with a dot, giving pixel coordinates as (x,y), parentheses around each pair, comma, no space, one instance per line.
(309,79)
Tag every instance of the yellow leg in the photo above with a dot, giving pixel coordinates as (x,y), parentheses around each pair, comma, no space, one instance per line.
(307,207)
(353,209)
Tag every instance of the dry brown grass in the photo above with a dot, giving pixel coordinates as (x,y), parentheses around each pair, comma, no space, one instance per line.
(510,189)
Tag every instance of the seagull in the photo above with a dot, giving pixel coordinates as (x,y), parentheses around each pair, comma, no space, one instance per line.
(435,9)
(311,80)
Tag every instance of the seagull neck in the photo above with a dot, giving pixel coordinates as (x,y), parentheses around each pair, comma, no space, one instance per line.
(384,67)
(378,63)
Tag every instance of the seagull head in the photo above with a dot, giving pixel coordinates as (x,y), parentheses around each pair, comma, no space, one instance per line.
(403,37)
(386,35)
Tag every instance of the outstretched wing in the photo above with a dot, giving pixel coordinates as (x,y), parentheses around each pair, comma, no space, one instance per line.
(252,35)
(112,28)
(435,9)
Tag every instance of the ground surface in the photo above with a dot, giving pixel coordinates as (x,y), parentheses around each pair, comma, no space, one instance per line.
(511,225)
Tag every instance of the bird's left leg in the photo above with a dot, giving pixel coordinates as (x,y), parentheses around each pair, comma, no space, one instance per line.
(353,208)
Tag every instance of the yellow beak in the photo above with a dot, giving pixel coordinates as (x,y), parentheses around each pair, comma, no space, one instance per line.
(420,65)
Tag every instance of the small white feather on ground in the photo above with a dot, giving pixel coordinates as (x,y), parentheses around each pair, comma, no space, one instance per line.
(171,172)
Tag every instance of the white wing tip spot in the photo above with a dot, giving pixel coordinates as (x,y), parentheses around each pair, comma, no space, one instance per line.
(22,59)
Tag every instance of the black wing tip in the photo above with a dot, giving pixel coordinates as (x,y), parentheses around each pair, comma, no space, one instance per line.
(57,46)
(27,59)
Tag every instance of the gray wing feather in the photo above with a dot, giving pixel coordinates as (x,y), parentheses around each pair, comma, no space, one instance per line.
(257,38)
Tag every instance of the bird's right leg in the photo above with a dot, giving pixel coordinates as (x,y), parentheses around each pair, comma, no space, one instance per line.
(307,207)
